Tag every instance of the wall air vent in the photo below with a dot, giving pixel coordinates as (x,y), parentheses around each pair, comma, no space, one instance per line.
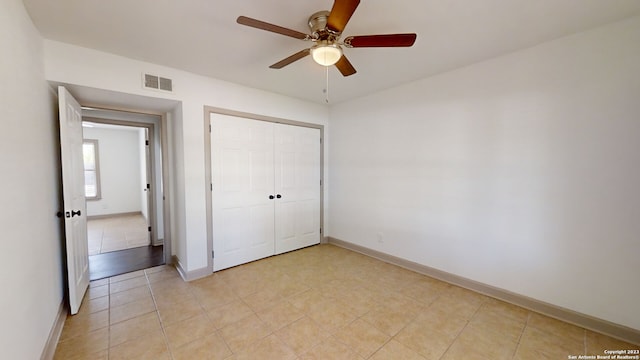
(156,82)
(166,84)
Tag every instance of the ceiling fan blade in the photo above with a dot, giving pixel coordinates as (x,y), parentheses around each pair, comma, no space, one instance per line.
(390,40)
(243,20)
(340,14)
(345,66)
(295,57)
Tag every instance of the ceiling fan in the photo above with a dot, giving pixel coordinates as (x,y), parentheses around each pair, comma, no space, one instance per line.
(326,28)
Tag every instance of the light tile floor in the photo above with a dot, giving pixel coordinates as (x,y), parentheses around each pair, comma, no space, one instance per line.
(118,232)
(321,302)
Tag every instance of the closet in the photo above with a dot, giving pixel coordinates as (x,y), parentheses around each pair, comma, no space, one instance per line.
(266,189)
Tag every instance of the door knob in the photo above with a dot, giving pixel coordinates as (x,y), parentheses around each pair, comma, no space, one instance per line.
(278,196)
(271,197)
(75,213)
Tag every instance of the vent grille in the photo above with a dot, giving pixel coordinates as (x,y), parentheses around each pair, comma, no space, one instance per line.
(151,81)
(156,82)
(166,84)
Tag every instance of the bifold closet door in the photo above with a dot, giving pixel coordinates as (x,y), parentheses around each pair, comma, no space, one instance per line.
(297,187)
(266,189)
(243,178)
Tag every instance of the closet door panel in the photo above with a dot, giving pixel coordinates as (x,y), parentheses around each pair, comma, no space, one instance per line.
(297,181)
(308,225)
(242,179)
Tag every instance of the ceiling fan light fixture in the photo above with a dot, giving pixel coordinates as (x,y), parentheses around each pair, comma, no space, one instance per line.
(326,54)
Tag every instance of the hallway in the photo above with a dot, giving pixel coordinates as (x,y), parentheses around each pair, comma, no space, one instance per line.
(118,232)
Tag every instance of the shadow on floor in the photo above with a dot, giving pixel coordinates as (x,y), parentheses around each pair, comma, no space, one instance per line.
(124,261)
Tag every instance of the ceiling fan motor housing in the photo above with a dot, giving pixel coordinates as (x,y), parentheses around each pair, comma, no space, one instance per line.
(318,25)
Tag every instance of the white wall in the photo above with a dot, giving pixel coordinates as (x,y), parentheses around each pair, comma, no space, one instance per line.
(31,276)
(119,156)
(520,172)
(75,65)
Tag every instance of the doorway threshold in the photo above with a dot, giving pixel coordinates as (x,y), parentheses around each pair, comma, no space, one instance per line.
(124,261)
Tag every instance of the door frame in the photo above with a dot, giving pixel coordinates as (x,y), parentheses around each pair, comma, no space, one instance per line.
(162,128)
(150,167)
(208,110)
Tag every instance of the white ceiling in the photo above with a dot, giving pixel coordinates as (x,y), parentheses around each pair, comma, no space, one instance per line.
(201,36)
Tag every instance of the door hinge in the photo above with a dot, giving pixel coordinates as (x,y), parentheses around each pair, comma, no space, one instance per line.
(320,230)
(211,186)
(149,228)
(320,182)
(212,254)
(209,127)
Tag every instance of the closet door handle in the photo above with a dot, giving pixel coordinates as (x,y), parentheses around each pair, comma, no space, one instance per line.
(270,197)
(278,196)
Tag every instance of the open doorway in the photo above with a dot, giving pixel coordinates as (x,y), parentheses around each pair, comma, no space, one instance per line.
(70,98)
(123,167)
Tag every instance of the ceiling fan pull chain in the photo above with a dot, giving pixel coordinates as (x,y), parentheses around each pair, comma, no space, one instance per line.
(326,89)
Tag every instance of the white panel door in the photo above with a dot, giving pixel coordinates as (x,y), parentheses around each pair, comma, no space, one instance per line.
(242,177)
(75,220)
(297,187)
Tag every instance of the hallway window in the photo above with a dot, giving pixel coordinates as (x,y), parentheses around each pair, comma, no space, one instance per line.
(91,169)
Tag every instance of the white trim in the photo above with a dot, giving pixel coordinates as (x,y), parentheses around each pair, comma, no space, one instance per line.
(54,335)
(605,327)
(105,216)
(158,242)
(191,275)
(208,110)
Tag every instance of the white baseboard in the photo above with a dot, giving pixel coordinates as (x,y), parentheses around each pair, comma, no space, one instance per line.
(54,335)
(190,275)
(605,327)
(106,216)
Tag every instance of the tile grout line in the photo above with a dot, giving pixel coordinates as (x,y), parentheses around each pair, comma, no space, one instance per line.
(585,341)
(240,298)
(526,324)
(264,324)
(155,305)
(333,332)
(391,337)
(217,331)
(407,324)
(361,317)
(463,328)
